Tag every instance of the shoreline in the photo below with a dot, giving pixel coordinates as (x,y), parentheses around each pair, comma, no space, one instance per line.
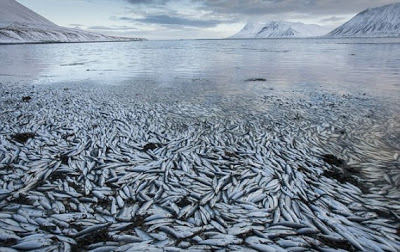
(71,42)
(104,168)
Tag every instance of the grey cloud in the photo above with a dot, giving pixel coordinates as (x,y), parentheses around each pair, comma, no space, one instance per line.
(182,15)
(264,7)
(332,19)
(147,2)
(99,28)
(177,21)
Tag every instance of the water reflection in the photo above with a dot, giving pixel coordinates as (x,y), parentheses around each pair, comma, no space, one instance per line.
(349,65)
(20,61)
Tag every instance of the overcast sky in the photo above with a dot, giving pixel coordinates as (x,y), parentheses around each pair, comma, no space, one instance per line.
(192,19)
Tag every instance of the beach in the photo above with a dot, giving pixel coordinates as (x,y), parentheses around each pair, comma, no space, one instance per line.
(92,167)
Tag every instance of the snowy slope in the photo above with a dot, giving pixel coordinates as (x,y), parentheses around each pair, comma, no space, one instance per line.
(280,29)
(377,22)
(23,33)
(249,31)
(19,24)
(12,11)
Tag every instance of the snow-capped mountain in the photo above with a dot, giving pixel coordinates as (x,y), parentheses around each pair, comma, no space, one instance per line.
(376,22)
(280,29)
(12,11)
(18,24)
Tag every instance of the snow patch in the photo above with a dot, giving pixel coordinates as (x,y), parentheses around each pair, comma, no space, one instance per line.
(376,22)
(280,29)
(19,24)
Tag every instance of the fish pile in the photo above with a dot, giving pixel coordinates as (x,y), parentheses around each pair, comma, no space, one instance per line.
(82,169)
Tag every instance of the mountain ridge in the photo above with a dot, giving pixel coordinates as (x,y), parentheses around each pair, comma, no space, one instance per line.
(13,12)
(280,29)
(383,21)
(19,24)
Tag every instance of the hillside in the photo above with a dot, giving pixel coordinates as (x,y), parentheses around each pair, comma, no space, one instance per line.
(376,22)
(280,29)
(18,24)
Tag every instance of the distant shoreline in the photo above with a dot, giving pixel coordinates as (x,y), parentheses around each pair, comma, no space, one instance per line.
(72,42)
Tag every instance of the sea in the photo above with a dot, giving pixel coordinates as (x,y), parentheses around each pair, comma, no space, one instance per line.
(338,65)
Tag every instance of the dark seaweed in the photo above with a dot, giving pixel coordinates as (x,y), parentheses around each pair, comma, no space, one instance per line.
(230,154)
(333,160)
(57,175)
(26,98)
(345,245)
(256,79)
(63,158)
(151,146)
(83,242)
(342,172)
(66,136)
(21,200)
(8,242)
(139,222)
(23,137)
(183,202)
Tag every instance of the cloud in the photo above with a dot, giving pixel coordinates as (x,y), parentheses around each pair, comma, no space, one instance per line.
(171,20)
(76,25)
(178,16)
(332,19)
(247,9)
(148,2)
(315,7)
(112,28)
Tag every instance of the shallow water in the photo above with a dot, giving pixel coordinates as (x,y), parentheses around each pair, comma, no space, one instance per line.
(222,66)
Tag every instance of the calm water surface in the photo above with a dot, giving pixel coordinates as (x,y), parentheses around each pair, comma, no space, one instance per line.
(342,66)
